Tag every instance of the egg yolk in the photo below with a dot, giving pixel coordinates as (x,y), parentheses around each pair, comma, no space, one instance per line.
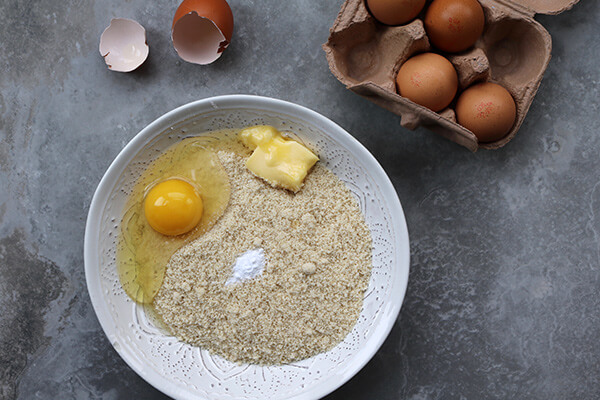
(173,207)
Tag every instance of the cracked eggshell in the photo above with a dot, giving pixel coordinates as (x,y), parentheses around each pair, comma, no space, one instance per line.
(202,30)
(123,45)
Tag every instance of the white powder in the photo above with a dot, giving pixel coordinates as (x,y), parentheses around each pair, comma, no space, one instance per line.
(247,266)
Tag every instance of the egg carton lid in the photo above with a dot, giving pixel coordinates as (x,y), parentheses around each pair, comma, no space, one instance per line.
(548,7)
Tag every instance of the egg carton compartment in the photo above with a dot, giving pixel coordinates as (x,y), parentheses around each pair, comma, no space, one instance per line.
(513,51)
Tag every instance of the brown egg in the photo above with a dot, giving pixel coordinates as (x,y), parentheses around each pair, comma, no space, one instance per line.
(486,109)
(454,25)
(395,12)
(428,79)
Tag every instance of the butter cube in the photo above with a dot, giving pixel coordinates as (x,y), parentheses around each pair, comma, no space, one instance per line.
(279,161)
(257,135)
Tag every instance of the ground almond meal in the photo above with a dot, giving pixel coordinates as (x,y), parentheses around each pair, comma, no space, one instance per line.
(309,296)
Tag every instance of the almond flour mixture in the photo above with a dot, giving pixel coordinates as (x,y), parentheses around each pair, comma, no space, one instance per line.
(317,248)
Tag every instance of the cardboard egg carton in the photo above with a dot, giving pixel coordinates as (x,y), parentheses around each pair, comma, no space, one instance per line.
(514,51)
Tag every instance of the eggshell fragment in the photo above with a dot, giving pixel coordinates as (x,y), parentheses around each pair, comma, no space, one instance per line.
(123,45)
(202,30)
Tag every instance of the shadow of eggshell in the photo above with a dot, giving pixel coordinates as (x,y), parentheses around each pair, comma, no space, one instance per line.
(513,51)
(123,45)
(202,30)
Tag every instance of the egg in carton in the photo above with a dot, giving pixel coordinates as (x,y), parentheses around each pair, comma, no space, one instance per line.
(513,51)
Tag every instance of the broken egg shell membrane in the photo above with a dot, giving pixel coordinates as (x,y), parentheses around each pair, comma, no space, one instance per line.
(123,45)
(198,40)
(217,11)
(365,55)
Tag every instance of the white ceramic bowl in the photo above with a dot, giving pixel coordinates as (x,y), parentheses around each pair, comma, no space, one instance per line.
(185,372)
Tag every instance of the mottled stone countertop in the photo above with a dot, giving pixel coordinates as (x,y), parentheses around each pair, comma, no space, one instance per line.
(503,299)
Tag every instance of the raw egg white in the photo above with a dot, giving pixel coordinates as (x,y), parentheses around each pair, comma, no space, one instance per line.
(179,196)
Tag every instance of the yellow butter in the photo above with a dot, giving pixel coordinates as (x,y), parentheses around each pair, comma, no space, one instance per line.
(256,135)
(280,161)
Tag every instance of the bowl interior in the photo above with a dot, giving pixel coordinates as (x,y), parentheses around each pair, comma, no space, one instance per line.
(183,371)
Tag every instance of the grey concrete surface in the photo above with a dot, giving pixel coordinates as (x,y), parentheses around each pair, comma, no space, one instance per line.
(504,294)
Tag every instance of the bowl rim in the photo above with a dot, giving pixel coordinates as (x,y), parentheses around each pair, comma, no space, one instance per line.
(237,101)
